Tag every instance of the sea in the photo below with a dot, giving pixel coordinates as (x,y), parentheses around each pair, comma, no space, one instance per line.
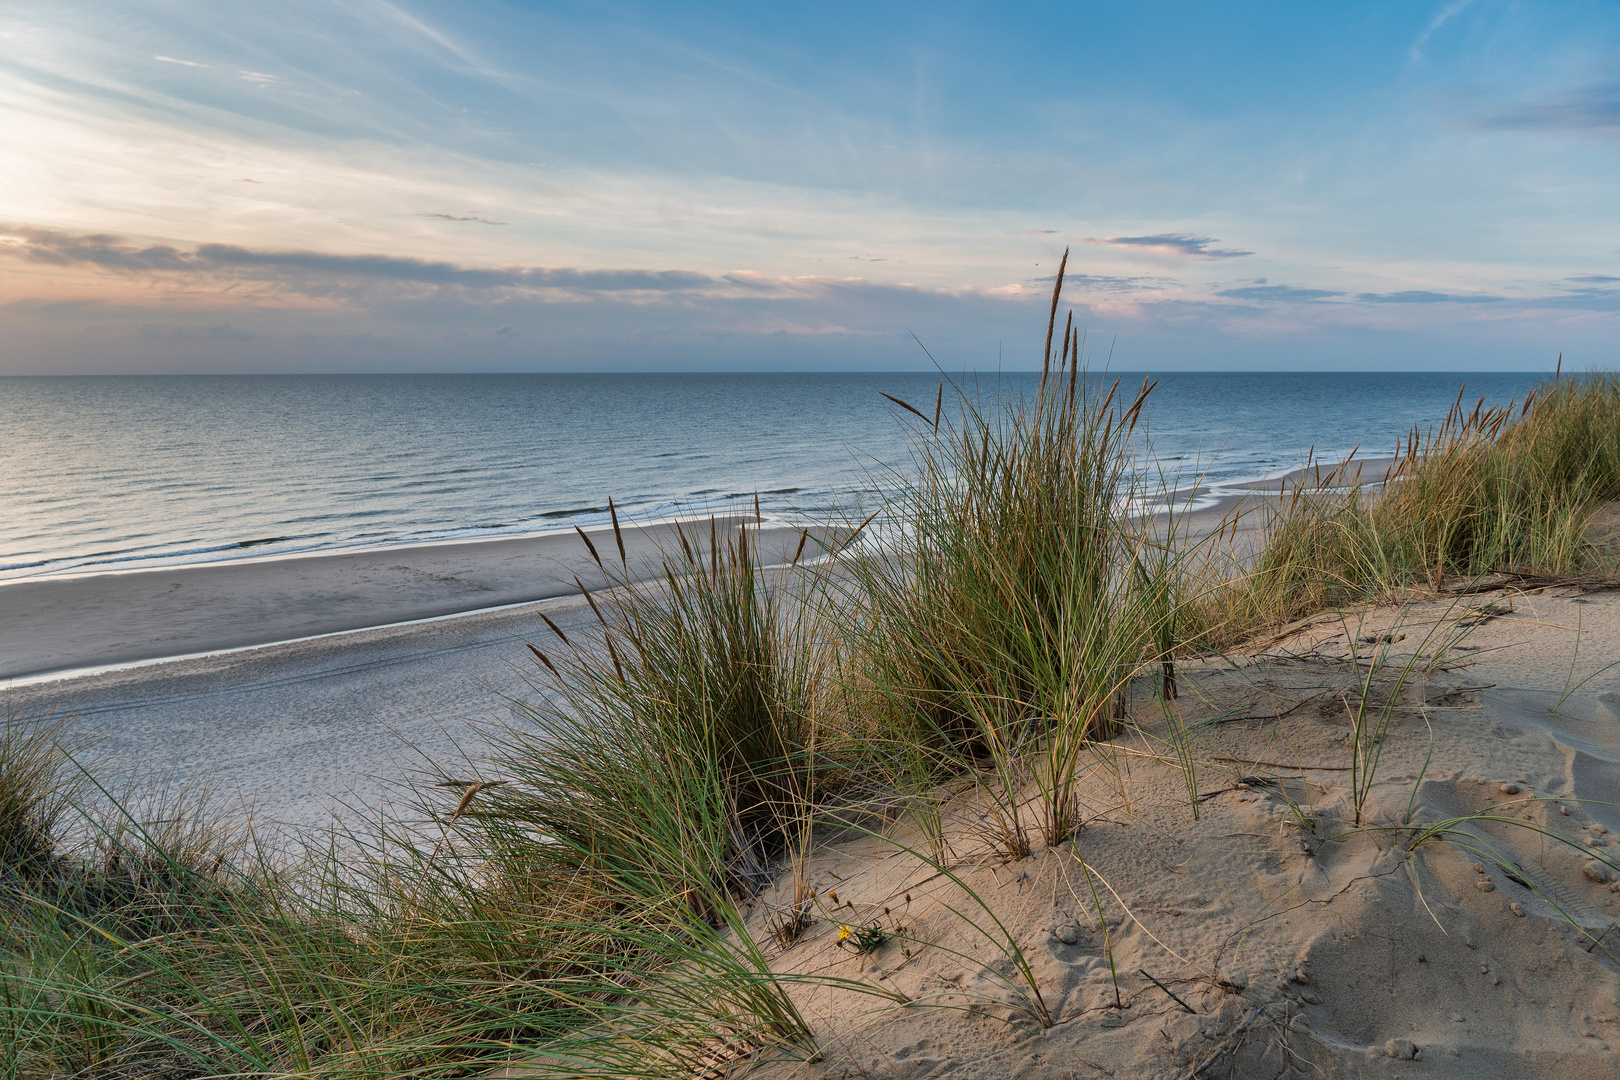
(117,473)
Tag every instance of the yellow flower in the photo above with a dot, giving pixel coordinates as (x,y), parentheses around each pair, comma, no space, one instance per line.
(843,933)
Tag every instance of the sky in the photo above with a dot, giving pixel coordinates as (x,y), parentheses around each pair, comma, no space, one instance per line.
(404,185)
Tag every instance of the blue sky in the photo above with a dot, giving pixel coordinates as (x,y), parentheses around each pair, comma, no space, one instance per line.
(401,185)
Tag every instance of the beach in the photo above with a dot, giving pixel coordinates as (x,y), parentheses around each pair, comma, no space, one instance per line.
(782,542)
(321,680)
(298,684)
(63,624)
(1268,928)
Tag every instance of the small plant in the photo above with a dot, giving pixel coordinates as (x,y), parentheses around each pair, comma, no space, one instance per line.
(671,745)
(1370,721)
(788,923)
(862,937)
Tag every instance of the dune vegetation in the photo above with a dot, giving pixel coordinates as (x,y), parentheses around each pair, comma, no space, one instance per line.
(577,903)
(1507,490)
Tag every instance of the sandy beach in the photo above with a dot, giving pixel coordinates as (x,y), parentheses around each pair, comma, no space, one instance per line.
(323,679)
(291,724)
(792,542)
(1271,932)
(64,624)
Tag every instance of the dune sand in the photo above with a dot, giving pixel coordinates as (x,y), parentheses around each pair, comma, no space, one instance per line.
(1286,939)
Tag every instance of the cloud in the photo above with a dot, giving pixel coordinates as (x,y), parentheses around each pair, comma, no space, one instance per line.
(1104,282)
(172,60)
(398,268)
(107,252)
(1421,296)
(1171,244)
(1594,107)
(462,217)
(92,249)
(1593,279)
(1443,16)
(1278,293)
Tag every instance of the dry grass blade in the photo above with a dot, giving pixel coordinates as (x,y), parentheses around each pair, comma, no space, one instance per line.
(1051,319)
(905,406)
(555,629)
(618,534)
(856,532)
(540,656)
(590,547)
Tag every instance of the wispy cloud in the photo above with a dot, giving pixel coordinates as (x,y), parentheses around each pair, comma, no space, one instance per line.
(1278,293)
(1447,12)
(1170,244)
(463,217)
(1423,296)
(1591,108)
(1593,279)
(172,60)
(1104,282)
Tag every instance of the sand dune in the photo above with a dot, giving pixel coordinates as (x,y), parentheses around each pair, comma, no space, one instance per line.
(1286,938)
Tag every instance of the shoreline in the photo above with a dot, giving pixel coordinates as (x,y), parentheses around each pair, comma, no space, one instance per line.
(140,564)
(231,553)
(66,627)
(69,626)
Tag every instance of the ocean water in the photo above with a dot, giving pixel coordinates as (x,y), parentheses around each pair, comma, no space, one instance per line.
(118,473)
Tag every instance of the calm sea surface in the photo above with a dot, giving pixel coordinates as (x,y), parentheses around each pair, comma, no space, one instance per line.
(117,473)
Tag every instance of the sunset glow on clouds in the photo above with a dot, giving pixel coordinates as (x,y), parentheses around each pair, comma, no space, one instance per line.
(505,186)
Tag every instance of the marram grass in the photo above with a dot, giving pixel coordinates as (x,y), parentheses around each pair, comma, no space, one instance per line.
(1508,490)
